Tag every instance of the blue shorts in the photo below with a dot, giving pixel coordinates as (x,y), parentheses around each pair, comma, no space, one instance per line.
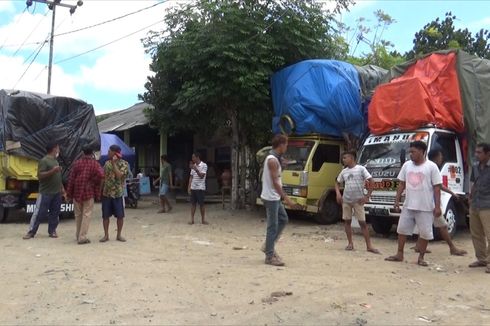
(163,189)
(112,207)
(197,197)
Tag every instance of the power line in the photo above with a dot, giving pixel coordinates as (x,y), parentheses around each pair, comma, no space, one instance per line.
(110,20)
(109,43)
(15,25)
(25,71)
(35,28)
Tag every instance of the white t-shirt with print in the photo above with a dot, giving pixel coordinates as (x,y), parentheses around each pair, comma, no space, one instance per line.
(199,183)
(420,181)
(354,180)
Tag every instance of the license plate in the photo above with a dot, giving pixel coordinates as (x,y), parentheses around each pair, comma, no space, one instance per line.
(65,208)
(386,185)
(379,211)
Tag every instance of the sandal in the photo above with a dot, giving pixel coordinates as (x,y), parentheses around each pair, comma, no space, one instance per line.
(374,251)
(477,263)
(104,239)
(422,263)
(394,258)
(349,247)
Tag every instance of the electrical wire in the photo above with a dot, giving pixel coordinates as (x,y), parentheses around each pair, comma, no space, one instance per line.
(108,43)
(35,28)
(25,71)
(14,27)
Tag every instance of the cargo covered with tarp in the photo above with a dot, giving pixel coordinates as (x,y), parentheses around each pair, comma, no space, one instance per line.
(447,89)
(29,121)
(327,97)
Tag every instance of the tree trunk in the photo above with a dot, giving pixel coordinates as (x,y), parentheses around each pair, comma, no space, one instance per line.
(235,162)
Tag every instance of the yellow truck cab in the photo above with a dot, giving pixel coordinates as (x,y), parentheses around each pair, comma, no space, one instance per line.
(310,168)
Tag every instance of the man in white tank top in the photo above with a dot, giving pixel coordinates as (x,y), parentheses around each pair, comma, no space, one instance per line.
(272,196)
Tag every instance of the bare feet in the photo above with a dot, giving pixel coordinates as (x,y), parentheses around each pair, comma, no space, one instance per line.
(374,251)
(119,238)
(422,262)
(427,251)
(458,252)
(397,258)
(349,247)
(104,239)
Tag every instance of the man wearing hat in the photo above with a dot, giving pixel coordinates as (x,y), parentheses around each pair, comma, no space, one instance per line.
(84,184)
(116,171)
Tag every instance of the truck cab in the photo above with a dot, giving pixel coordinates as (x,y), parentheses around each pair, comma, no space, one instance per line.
(383,156)
(310,168)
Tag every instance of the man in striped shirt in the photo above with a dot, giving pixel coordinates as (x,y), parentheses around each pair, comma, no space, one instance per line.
(197,186)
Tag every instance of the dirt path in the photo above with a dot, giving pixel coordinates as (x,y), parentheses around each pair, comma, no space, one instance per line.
(172,273)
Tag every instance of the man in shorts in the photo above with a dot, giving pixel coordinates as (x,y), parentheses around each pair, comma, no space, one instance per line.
(440,223)
(165,180)
(354,178)
(422,181)
(115,171)
(197,186)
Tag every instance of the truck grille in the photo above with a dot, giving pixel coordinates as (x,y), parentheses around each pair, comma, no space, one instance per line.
(385,199)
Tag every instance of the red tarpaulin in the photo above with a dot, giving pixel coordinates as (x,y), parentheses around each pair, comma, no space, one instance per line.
(427,93)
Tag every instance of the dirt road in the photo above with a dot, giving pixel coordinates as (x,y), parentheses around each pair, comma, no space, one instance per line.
(173,273)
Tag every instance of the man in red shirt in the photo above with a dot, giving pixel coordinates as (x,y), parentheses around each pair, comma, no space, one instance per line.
(84,187)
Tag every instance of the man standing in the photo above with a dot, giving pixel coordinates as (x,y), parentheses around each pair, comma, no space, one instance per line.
(197,186)
(165,180)
(272,194)
(437,157)
(86,176)
(116,171)
(480,207)
(50,193)
(354,178)
(422,181)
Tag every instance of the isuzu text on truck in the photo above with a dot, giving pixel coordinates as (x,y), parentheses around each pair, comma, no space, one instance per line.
(442,99)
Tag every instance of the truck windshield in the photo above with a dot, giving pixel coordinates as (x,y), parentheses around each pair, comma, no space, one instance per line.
(297,154)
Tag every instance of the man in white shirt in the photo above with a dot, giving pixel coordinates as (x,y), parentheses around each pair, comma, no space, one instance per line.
(197,186)
(421,180)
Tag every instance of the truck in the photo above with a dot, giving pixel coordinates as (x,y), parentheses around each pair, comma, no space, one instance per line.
(442,99)
(321,105)
(28,122)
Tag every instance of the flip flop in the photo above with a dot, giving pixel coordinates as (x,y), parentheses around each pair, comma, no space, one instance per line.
(374,251)
(422,263)
(349,248)
(394,258)
(104,239)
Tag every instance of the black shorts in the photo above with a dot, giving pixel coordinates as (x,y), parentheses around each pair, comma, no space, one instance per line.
(197,197)
(112,207)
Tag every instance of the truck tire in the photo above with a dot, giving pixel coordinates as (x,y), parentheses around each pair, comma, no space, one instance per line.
(381,225)
(451,217)
(330,212)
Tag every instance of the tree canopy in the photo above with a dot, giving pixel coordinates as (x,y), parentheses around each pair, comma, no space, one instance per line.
(441,34)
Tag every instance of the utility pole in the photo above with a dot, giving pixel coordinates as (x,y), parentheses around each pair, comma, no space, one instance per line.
(52,5)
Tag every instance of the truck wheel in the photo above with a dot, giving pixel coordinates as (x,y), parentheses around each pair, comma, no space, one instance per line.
(330,212)
(381,225)
(451,218)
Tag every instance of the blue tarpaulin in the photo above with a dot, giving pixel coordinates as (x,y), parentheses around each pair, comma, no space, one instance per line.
(320,96)
(106,140)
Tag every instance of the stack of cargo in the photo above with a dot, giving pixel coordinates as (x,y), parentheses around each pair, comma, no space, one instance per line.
(326,97)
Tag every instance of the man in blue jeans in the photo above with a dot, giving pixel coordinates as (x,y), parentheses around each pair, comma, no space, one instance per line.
(50,192)
(272,196)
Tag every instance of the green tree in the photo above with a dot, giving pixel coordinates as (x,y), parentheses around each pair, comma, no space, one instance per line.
(381,53)
(213,63)
(442,35)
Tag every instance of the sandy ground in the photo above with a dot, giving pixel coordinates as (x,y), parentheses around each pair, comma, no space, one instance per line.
(173,273)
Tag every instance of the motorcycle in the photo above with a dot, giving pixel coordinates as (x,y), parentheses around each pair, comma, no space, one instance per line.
(132,193)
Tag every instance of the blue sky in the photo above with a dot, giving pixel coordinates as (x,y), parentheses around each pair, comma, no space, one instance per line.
(112,77)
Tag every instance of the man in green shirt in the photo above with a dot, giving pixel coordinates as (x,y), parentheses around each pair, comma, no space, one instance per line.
(116,171)
(50,193)
(165,180)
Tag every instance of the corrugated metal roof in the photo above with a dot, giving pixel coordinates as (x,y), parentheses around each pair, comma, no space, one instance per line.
(125,119)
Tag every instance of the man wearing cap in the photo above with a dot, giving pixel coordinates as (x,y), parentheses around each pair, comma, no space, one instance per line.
(86,176)
(116,171)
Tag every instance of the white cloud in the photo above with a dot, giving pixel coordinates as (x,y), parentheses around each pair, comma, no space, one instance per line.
(479,24)
(6,6)
(120,67)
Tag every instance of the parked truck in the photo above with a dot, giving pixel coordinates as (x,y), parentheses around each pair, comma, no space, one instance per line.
(28,121)
(321,105)
(442,99)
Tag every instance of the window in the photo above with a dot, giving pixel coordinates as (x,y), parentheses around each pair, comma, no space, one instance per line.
(325,154)
(446,144)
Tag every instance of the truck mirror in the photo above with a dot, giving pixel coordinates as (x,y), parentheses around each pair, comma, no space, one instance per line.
(403,158)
